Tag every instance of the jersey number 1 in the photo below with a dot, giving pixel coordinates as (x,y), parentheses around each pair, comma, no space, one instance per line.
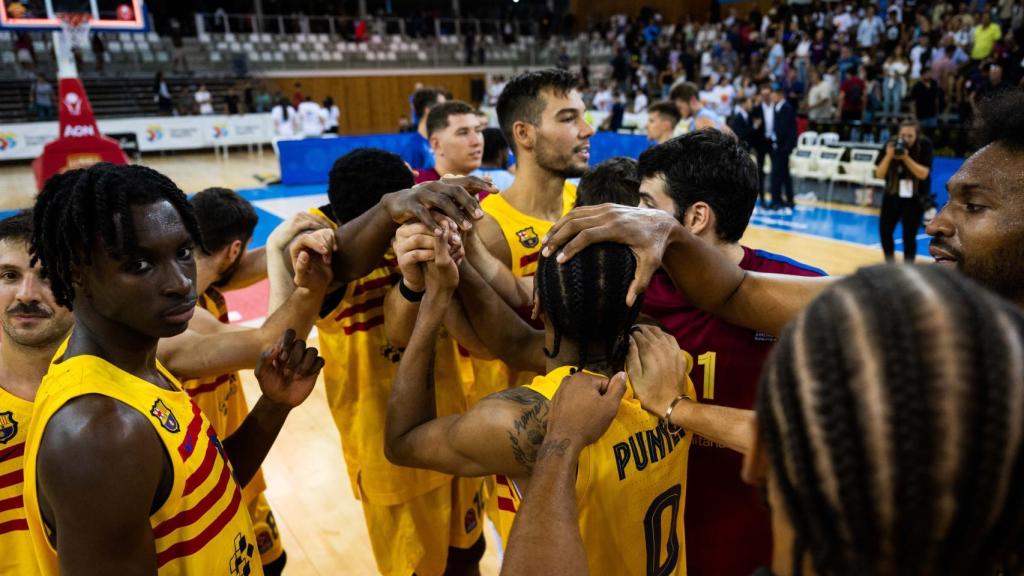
(661,545)
(707,360)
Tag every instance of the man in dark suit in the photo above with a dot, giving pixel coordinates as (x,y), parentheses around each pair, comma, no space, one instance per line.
(762,114)
(783,141)
(742,124)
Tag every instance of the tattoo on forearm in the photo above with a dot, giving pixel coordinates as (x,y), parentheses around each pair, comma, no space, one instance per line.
(553,448)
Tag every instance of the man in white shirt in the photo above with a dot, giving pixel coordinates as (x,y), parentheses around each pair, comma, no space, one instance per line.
(603,100)
(844,20)
(869,33)
(640,102)
(204,100)
(311,119)
(919,57)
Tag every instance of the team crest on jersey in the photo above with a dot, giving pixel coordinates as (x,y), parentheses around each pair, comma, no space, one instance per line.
(162,413)
(8,427)
(241,557)
(527,237)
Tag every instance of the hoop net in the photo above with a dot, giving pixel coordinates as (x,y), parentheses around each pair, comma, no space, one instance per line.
(74,33)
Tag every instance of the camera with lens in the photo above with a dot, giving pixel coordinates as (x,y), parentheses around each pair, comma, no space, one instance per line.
(900,147)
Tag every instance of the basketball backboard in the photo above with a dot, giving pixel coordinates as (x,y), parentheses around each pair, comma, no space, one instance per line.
(107,15)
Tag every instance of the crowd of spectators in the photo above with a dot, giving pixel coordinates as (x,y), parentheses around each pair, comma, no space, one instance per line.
(837,61)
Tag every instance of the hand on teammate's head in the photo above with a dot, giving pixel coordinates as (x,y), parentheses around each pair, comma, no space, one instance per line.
(656,367)
(426,202)
(646,231)
(288,370)
(583,408)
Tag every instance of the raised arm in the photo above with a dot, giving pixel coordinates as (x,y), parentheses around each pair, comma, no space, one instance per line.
(279,266)
(361,242)
(545,537)
(210,348)
(658,372)
(287,373)
(496,436)
(765,302)
(100,466)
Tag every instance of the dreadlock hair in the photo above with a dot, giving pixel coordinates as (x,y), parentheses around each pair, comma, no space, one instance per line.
(78,207)
(892,411)
(17,228)
(224,217)
(584,299)
(614,180)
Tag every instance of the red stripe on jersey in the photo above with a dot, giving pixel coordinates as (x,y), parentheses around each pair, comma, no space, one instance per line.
(529,259)
(374,284)
(196,544)
(192,434)
(364,326)
(506,504)
(197,478)
(11,503)
(12,478)
(192,515)
(391,262)
(13,526)
(208,387)
(357,308)
(12,451)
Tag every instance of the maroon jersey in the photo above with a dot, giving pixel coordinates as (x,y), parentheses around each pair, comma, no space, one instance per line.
(727,528)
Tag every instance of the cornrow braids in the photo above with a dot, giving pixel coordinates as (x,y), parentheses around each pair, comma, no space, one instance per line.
(892,411)
(585,302)
(80,206)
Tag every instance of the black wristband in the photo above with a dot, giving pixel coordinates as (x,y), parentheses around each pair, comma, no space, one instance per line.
(408,293)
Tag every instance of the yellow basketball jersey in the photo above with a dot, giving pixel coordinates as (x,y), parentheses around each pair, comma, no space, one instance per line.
(16,554)
(522,232)
(203,527)
(221,398)
(630,489)
(359,371)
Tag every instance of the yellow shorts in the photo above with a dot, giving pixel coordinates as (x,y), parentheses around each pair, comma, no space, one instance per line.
(268,537)
(412,538)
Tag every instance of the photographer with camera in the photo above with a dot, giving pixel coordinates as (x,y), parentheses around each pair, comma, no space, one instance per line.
(905,167)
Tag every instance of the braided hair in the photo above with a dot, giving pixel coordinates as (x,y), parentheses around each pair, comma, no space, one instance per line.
(892,411)
(78,207)
(585,302)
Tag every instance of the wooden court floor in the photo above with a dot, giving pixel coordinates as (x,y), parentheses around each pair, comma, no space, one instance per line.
(321,523)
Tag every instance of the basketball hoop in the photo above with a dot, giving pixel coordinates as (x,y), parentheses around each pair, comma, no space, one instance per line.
(74,33)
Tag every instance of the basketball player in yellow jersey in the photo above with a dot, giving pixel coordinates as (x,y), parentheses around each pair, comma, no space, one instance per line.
(541,115)
(631,482)
(123,473)
(33,327)
(418,522)
(227,222)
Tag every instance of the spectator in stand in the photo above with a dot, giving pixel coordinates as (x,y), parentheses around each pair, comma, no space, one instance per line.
(783,139)
(41,98)
(762,118)
(640,102)
(869,32)
(332,114)
(944,68)
(604,99)
(283,116)
(417,152)
(456,139)
(992,84)
(693,112)
(794,88)
(204,101)
(311,118)
(24,51)
(776,58)
(494,162)
(853,97)
(920,57)
(162,94)
(98,50)
(848,62)
(820,102)
(662,118)
(986,35)
(926,97)
(906,168)
(724,97)
(819,48)
(621,68)
(177,47)
(894,85)
(232,100)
